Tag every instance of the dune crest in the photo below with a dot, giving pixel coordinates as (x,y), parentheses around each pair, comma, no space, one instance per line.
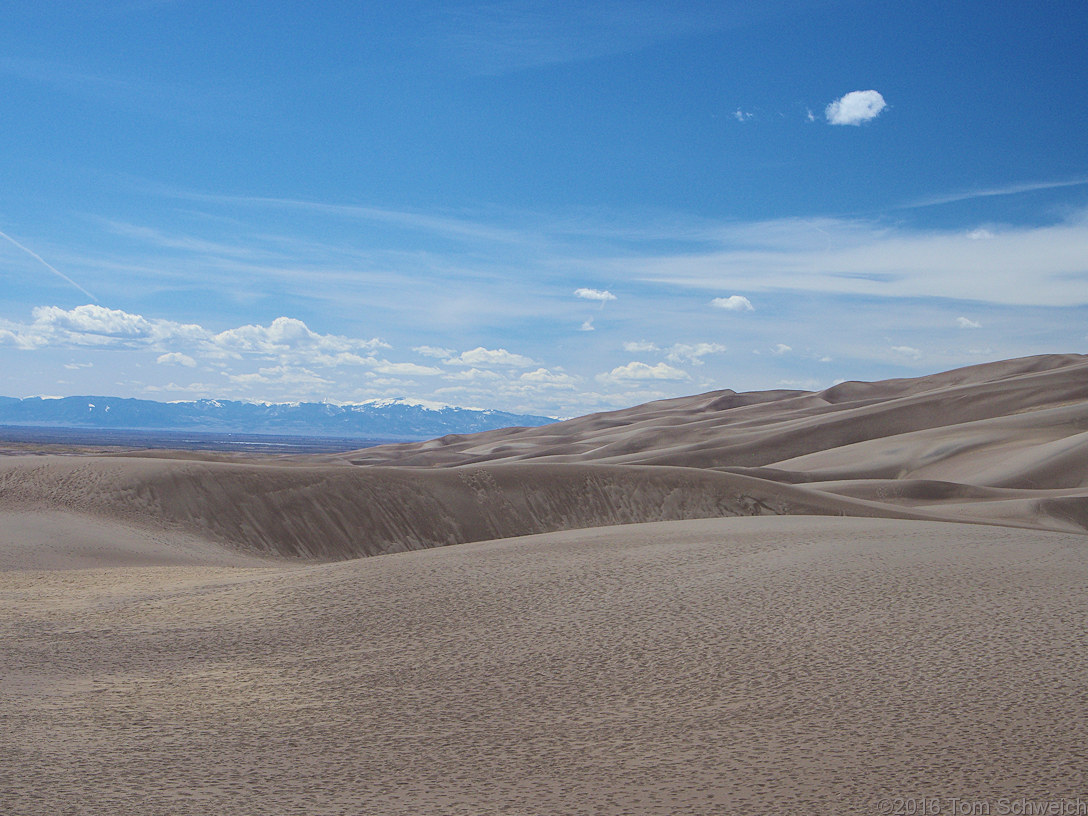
(1001,443)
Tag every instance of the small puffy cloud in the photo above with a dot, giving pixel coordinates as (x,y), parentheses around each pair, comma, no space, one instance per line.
(980,234)
(691,352)
(641,345)
(543,376)
(967,323)
(481,356)
(176,358)
(809,115)
(742,116)
(435,351)
(642,371)
(587,325)
(601,295)
(781,348)
(907,351)
(733,303)
(854,108)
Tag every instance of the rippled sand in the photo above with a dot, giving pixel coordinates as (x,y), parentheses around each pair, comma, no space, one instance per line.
(739,665)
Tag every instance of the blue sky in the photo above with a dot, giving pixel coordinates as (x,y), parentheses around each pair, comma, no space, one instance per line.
(539,206)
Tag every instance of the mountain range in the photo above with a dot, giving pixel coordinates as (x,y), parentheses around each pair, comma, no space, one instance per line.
(389,419)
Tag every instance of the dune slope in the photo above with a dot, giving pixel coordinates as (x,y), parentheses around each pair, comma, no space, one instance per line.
(744,665)
(1003,443)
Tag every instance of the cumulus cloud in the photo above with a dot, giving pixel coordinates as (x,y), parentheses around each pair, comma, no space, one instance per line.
(642,371)
(691,352)
(601,295)
(854,108)
(544,377)
(176,358)
(733,303)
(287,334)
(587,325)
(967,323)
(907,351)
(481,356)
(980,234)
(742,116)
(641,345)
(780,349)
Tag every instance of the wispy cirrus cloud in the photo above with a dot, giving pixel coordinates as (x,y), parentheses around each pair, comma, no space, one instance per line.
(1028,265)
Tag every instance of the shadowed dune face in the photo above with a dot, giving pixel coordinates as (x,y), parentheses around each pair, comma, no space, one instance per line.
(332,513)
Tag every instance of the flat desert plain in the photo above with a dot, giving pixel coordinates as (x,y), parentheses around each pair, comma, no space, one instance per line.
(864,600)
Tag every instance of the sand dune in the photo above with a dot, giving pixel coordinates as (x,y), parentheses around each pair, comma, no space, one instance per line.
(937,447)
(726,603)
(747,665)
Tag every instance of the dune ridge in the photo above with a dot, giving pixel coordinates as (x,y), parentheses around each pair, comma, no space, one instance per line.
(1001,443)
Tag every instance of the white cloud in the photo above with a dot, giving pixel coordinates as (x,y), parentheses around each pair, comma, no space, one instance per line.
(472,375)
(780,349)
(386,367)
(481,356)
(543,376)
(602,295)
(435,351)
(742,116)
(642,371)
(907,351)
(1026,266)
(733,303)
(980,234)
(283,375)
(967,323)
(587,325)
(854,108)
(691,352)
(288,335)
(176,358)
(641,345)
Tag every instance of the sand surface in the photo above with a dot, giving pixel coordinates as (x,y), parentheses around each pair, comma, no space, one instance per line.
(779,602)
(748,665)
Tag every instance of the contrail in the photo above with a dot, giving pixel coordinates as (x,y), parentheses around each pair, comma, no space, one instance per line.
(48,265)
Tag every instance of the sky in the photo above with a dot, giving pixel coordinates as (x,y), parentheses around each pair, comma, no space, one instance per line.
(545,207)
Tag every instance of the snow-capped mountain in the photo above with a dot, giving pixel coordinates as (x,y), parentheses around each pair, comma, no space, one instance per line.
(398,419)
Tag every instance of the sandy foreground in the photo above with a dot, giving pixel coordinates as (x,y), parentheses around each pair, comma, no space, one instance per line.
(735,665)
